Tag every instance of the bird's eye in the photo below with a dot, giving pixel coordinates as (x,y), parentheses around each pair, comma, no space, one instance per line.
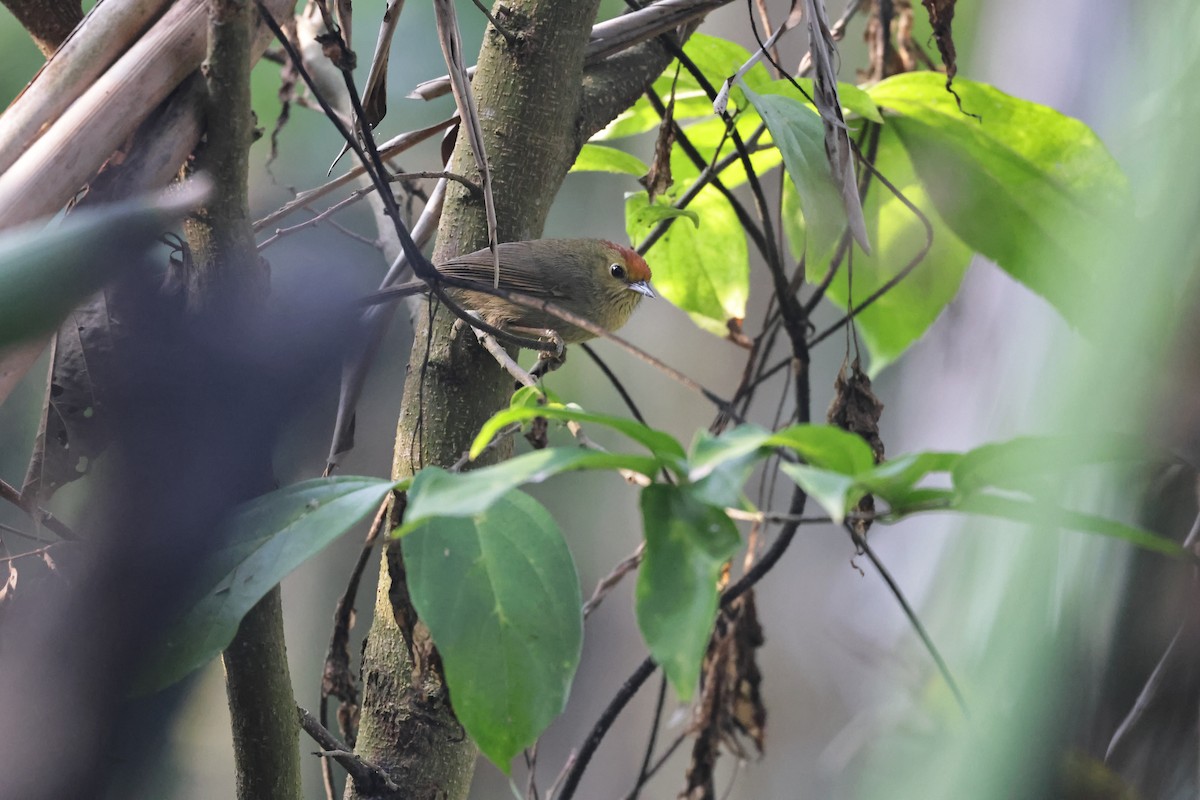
(617,271)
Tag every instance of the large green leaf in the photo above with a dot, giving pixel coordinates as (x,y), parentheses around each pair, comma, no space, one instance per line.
(45,271)
(716,58)
(902,315)
(641,216)
(709,135)
(835,492)
(1025,463)
(1022,184)
(598,158)
(854,100)
(828,447)
(437,493)
(896,480)
(687,541)
(799,134)
(1046,514)
(705,270)
(661,444)
(500,595)
(264,540)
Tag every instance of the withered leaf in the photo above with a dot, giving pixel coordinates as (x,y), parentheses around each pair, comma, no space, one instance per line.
(730,705)
(855,408)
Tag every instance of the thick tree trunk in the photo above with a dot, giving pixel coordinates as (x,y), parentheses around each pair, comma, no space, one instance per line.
(536,110)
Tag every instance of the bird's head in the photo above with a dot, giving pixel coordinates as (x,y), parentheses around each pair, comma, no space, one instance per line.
(627,270)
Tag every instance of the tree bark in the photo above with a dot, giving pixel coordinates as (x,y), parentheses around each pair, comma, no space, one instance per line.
(225,283)
(536,110)
(47,21)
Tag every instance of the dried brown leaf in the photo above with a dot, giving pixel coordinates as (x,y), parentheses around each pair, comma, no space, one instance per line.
(855,408)
(941,18)
(658,180)
(823,50)
(730,705)
(74,428)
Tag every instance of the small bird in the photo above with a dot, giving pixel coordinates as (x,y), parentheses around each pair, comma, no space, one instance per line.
(598,280)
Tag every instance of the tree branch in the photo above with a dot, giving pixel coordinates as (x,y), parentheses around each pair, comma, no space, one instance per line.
(49,22)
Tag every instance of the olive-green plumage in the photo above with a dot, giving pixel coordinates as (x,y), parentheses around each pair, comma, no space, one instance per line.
(598,280)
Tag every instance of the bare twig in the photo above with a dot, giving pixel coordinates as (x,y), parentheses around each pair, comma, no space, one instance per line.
(39,515)
(606,584)
(388,149)
(611,36)
(504,359)
(368,777)
(861,543)
(336,679)
(451,41)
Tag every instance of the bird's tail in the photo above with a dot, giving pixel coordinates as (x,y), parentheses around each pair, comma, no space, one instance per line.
(395,293)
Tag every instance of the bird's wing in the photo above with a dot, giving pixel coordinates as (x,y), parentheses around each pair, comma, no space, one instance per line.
(516,273)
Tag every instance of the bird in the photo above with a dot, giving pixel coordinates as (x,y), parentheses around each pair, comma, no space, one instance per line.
(598,280)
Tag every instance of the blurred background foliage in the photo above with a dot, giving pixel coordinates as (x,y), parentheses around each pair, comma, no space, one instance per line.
(1050,634)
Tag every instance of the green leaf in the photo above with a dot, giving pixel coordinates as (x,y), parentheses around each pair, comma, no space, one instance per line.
(687,541)
(663,445)
(827,447)
(264,540)
(719,466)
(598,158)
(500,595)
(706,270)
(716,58)
(438,493)
(709,135)
(1044,514)
(1024,463)
(1024,185)
(641,216)
(895,481)
(45,271)
(854,100)
(898,318)
(710,452)
(800,135)
(836,492)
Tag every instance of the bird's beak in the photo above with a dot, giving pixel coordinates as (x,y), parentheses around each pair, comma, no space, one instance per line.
(642,287)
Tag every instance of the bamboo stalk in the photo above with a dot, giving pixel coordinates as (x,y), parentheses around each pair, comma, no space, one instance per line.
(70,153)
(106,32)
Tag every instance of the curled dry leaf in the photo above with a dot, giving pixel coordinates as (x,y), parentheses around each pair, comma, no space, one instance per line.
(731,705)
(658,180)
(941,17)
(823,50)
(855,408)
(74,429)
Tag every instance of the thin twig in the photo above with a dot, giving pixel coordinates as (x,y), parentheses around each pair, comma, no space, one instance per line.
(647,667)
(35,552)
(615,381)
(451,42)
(657,765)
(861,543)
(899,276)
(389,149)
(605,585)
(39,515)
(368,778)
(1168,661)
(643,772)
(504,359)
(501,435)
